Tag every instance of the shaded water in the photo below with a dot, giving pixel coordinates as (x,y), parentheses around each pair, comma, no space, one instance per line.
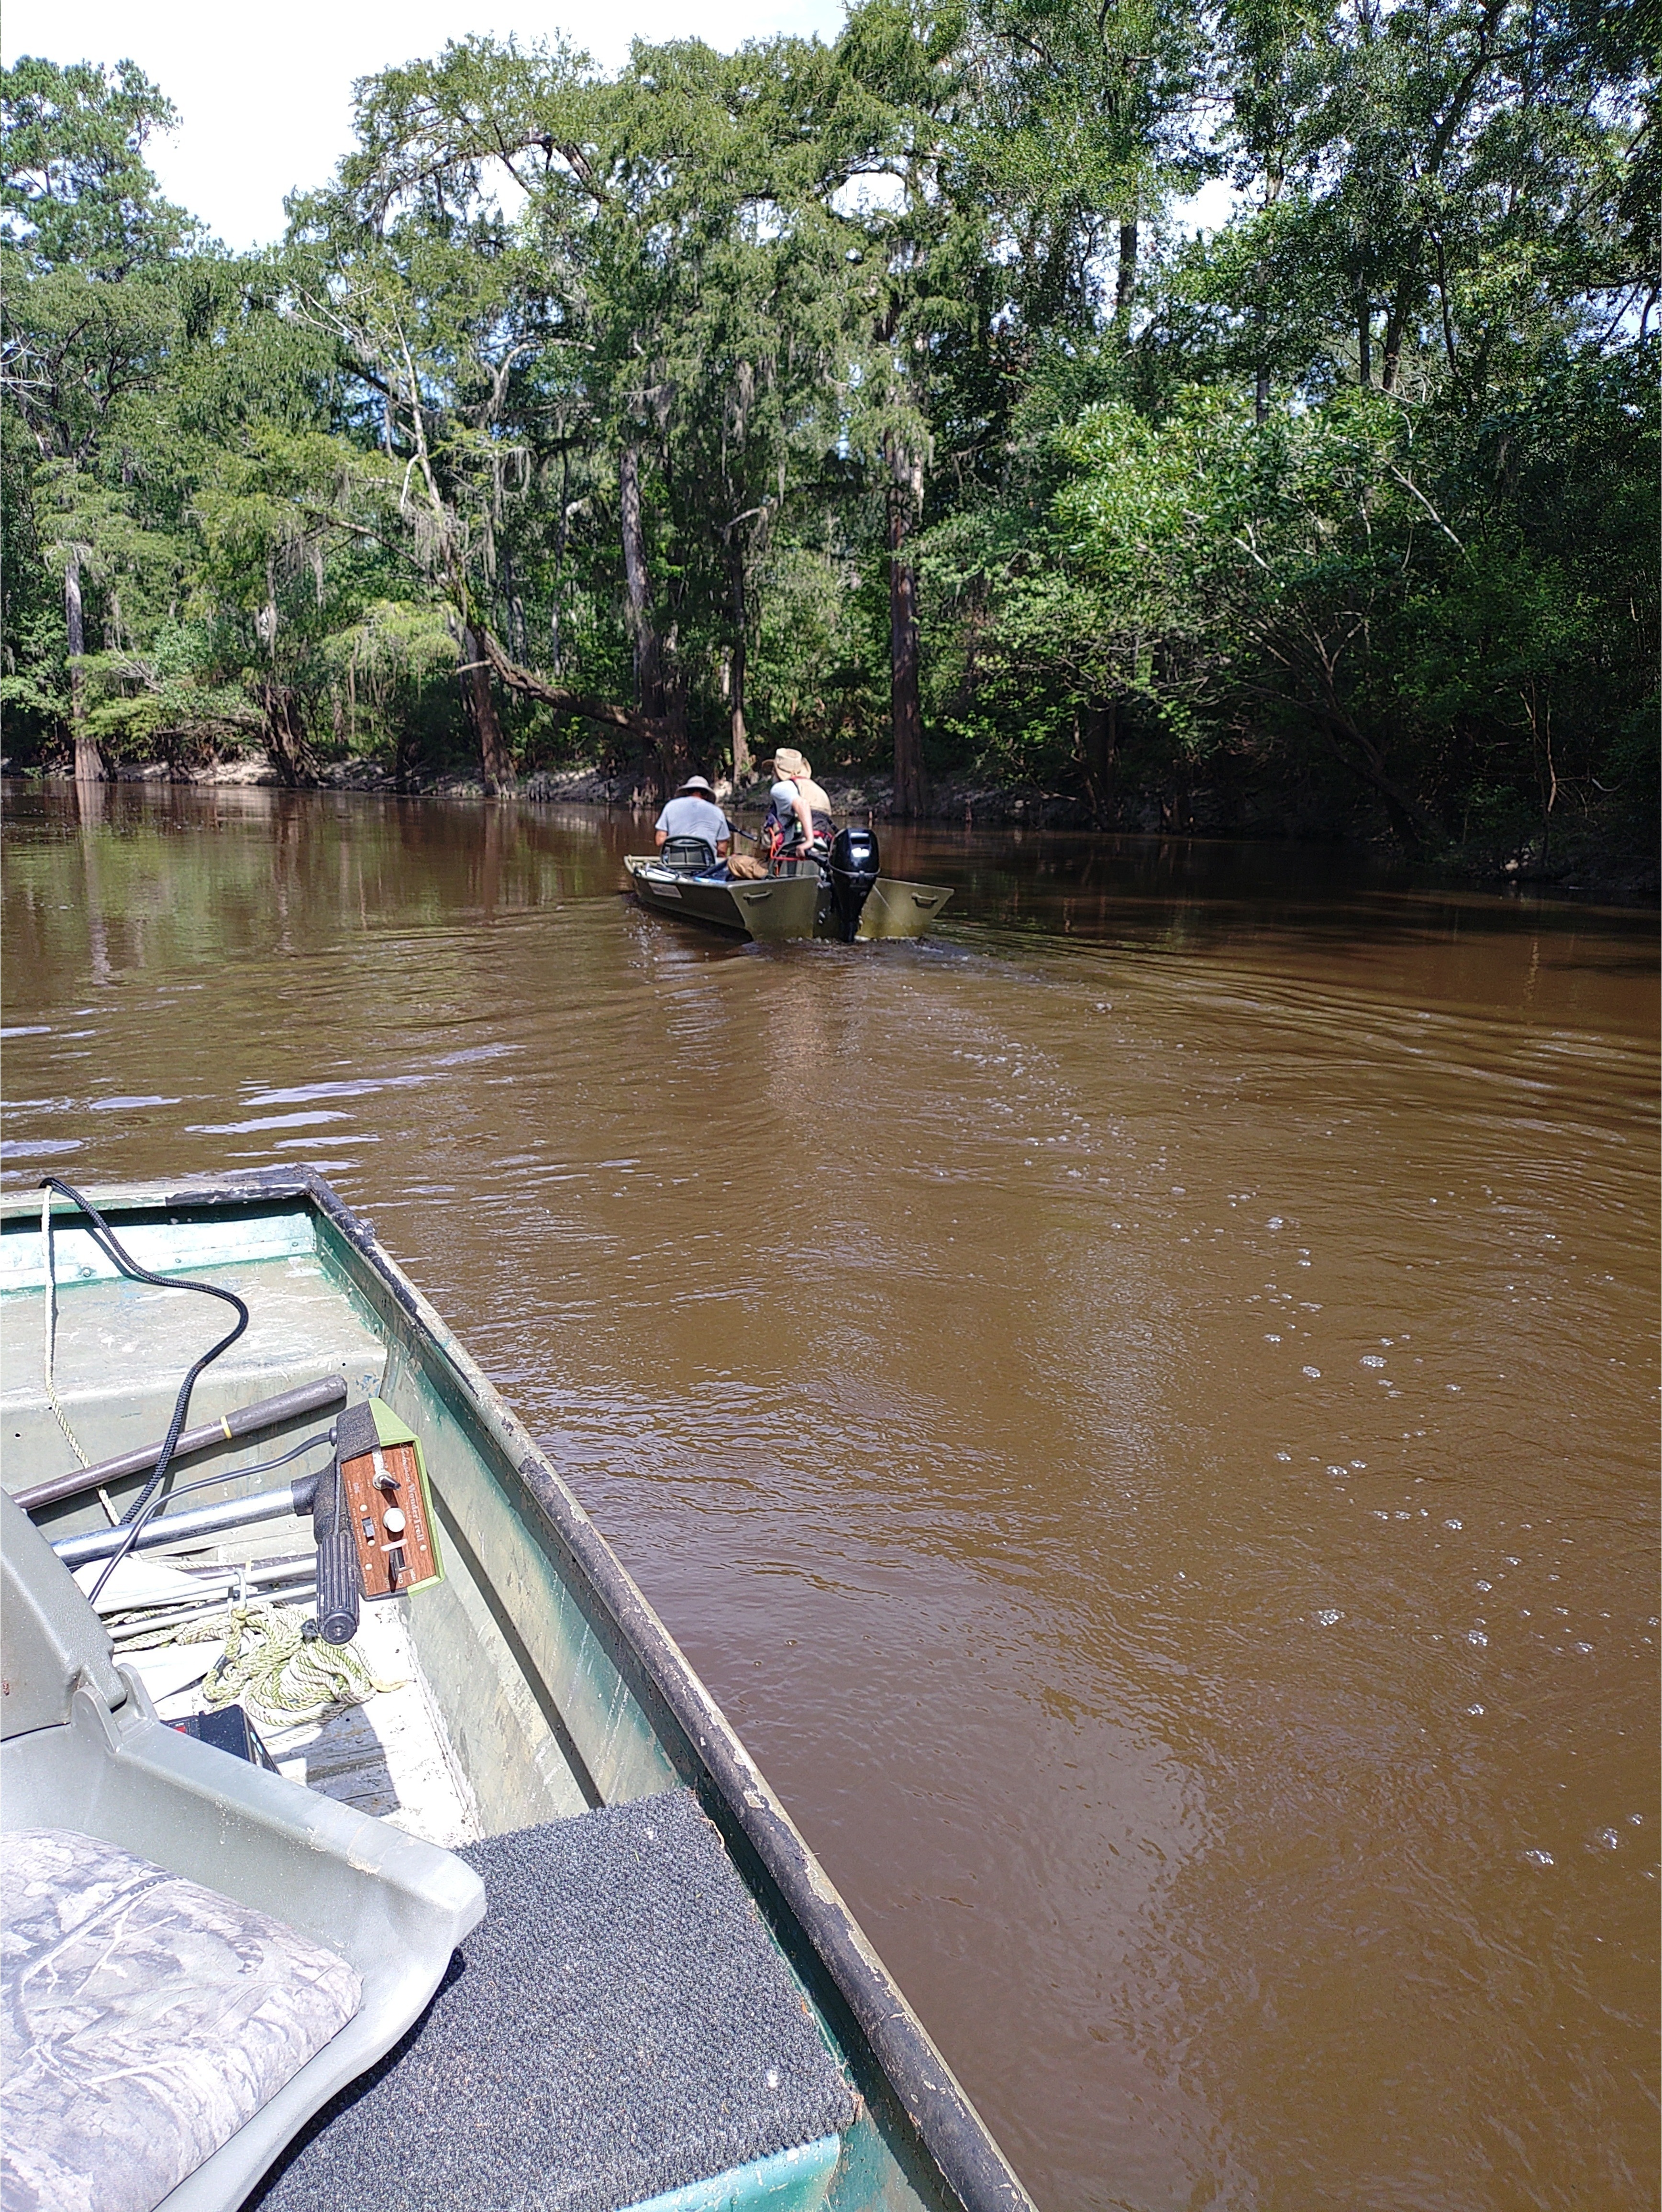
(1140,1406)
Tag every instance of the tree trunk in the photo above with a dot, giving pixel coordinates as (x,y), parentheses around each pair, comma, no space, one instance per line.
(649,655)
(1363,342)
(662,701)
(1407,819)
(285,738)
(89,760)
(496,759)
(1099,732)
(905,710)
(736,666)
(1125,278)
(1396,330)
(670,735)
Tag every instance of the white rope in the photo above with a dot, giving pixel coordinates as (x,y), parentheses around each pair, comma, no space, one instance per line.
(51,1332)
(281,1676)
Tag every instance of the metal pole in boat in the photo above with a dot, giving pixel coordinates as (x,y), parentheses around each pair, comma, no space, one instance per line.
(245,1421)
(198,1521)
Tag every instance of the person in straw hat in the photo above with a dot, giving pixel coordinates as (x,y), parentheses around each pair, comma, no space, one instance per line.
(798,810)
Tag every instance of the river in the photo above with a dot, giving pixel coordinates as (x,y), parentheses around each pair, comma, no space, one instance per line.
(1142,1407)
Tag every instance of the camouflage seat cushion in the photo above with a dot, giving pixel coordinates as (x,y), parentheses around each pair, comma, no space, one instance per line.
(144,2020)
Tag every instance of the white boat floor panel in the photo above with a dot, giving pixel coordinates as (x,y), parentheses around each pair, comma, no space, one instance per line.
(390,1757)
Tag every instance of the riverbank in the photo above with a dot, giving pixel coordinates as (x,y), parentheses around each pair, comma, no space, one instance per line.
(1581,859)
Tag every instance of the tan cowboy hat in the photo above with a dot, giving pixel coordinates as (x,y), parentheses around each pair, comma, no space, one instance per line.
(787,762)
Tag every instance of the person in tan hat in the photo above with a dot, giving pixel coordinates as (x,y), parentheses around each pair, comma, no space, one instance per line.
(693,812)
(798,810)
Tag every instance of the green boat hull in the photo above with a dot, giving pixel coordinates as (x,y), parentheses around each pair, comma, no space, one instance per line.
(558,1685)
(783,907)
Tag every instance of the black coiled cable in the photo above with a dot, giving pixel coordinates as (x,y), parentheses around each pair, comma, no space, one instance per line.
(106,1238)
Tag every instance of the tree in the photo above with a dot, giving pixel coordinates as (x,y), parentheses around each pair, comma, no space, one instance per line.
(84,234)
(876,390)
(674,299)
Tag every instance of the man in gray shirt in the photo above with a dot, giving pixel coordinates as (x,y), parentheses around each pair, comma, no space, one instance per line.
(693,813)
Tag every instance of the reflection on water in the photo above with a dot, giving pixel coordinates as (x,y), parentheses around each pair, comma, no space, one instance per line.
(1140,1406)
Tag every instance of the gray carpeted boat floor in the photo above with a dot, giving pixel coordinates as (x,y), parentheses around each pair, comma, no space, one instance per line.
(619,2023)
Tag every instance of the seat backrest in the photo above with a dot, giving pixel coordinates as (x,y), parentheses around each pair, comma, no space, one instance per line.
(687,856)
(50,1639)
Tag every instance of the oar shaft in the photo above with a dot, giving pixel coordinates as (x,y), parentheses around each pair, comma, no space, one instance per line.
(245,1421)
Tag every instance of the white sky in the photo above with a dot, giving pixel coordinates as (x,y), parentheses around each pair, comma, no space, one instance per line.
(264,95)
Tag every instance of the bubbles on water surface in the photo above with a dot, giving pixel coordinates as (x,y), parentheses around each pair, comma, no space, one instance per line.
(1372,1359)
(1475,1710)
(1607,1839)
(1325,1617)
(1314,1373)
(1476,1637)
(1538,1858)
(1454,1524)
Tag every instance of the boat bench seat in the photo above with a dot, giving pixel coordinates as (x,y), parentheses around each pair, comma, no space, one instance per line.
(618,2031)
(197,1954)
(687,856)
(146,2019)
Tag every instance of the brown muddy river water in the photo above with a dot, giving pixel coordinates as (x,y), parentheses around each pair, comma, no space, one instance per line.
(1142,1407)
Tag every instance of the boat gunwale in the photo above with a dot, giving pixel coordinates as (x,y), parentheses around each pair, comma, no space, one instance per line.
(948,2129)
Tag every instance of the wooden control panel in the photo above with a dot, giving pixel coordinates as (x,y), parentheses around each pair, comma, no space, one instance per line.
(384,1502)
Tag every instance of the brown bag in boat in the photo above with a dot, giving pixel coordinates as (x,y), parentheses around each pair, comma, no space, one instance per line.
(747,870)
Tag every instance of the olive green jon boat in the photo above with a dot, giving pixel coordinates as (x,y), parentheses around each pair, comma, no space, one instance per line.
(851,901)
(545,1708)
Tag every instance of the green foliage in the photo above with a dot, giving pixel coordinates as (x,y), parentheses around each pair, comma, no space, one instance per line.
(76,191)
(624,387)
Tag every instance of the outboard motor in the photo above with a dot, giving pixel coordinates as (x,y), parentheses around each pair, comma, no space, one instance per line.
(853,870)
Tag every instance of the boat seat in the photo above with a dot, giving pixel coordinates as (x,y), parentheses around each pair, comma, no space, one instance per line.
(687,856)
(620,2032)
(197,1953)
(147,2020)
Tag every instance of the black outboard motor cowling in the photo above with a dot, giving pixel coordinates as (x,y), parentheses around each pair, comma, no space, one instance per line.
(853,870)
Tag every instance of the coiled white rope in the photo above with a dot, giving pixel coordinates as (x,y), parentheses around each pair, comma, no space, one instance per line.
(282,1676)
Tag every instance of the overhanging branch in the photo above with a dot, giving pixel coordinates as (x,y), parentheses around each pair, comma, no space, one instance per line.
(530,685)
